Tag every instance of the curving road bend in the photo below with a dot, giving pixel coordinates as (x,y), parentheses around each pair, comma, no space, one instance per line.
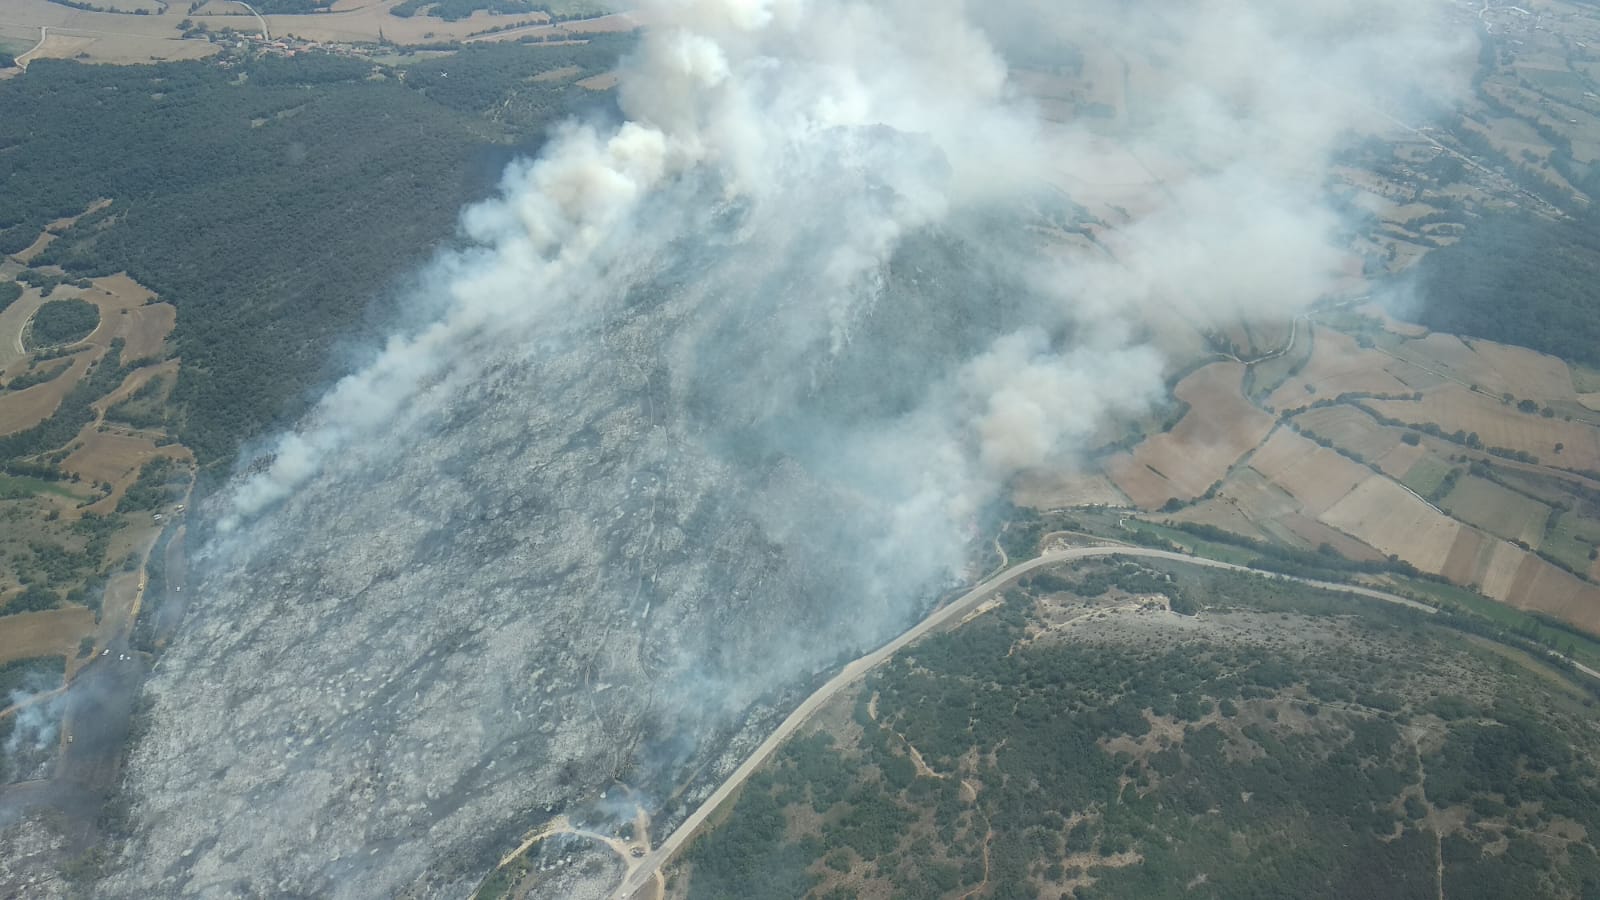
(646,868)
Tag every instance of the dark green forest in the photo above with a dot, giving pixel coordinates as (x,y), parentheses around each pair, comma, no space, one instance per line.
(281,212)
(63,322)
(1519,280)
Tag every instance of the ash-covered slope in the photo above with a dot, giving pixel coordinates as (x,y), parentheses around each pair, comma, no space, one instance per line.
(715,397)
(579,555)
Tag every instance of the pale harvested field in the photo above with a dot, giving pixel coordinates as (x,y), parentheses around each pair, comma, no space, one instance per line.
(605,81)
(1494,368)
(1528,373)
(1497,574)
(1591,400)
(151,7)
(1497,510)
(1462,563)
(49,632)
(1397,462)
(1314,475)
(121,291)
(1498,424)
(1392,519)
(1223,513)
(556,31)
(1544,588)
(1390,323)
(59,46)
(362,24)
(1350,429)
(1337,366)
(1259,498)
(359,24)
(108,456)
(145,329)
(1316,533)
(135,380)
(1445,353)
(1144,488)
(1219,429)
(1056,490)
(121,38)
(114,295)
(104,37)
(30,406)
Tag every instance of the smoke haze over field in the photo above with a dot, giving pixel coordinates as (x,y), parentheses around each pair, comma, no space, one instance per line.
(718,394)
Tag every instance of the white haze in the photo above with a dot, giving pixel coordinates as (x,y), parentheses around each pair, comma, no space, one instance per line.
(1257,98)
(776,162)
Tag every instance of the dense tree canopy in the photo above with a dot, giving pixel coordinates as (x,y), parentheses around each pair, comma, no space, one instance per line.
(63,322)
(272,210)
(1520,280)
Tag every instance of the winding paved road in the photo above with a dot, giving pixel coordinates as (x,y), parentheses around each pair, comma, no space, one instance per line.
(645,869)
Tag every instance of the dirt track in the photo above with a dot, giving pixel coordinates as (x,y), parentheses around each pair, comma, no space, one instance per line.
(646,868)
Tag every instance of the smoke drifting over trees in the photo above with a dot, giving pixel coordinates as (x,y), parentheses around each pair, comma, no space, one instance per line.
(717,395)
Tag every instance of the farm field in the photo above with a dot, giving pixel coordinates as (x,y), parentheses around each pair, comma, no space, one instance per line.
(80,499)
(1366,495)
(1501,512)
(1054,490)
(1350,430)
(1337,365)
(1219,429)
(1499,424)
(1390,518)
(1399,461)
(1315,476)
(118,36)
(1573,540)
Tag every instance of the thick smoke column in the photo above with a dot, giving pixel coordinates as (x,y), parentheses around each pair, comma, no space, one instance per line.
(719,394)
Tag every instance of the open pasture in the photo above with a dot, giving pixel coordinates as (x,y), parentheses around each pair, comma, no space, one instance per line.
(1501,512)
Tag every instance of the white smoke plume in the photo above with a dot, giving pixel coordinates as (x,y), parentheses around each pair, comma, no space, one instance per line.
(721,391)
(36,725)
(1250,100)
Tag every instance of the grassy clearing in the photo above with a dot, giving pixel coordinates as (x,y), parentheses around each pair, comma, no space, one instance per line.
(1583,649)
(1497,510)
(1196,545)
(1573,538)
(14,487)
(1426,475)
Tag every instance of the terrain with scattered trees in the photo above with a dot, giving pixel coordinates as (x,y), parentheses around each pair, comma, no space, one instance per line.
(352,179)
(1084,741)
